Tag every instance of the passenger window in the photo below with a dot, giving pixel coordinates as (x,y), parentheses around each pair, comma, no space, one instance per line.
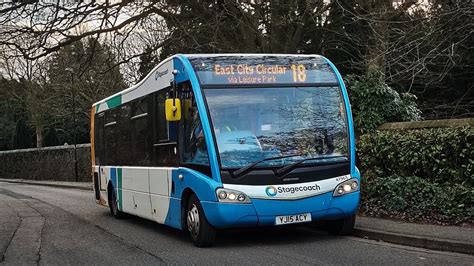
(99,138)
(110,136)
(139,108)
(124,140)
(140,133)
(162,124)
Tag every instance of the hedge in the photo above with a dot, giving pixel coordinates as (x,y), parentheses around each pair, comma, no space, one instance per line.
(419,175)
(438,154)
(416,199)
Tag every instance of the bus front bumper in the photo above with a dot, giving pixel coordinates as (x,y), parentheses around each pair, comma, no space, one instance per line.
(264,212)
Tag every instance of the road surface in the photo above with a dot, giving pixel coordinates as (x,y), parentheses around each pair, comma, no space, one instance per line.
(56,226)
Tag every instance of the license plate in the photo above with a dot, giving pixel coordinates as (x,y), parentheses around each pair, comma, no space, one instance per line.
(293,219)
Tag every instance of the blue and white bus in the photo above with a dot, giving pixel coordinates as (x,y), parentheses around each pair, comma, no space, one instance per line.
(213,141)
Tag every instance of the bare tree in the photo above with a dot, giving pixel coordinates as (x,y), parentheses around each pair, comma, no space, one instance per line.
(38,28)
(421,46)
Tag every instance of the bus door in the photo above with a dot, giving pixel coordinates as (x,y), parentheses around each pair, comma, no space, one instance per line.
(192,143)
(99,178)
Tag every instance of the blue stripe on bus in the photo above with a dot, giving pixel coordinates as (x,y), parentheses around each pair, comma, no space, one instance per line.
(349,115)
(113,177)
(203,186)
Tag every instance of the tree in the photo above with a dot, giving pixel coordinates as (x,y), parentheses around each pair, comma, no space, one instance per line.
(423,47)
(27,93)
(65,22)
(10,112)
(25,100)
(147,62)
(51,138)
(374,102)
(93,75)
(22,136)
(246,26)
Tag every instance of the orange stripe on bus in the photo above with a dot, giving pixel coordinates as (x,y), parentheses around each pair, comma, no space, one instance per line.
(92,139)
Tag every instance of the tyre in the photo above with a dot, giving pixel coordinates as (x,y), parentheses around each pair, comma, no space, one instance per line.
(201,232)
(113,205)
(341,226)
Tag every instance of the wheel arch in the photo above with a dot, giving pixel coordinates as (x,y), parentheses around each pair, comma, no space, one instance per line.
(187,192)
(110,188)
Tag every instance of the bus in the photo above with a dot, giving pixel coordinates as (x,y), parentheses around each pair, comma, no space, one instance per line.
(207,142)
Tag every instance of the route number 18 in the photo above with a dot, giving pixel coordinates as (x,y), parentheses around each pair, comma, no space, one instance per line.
(299,73)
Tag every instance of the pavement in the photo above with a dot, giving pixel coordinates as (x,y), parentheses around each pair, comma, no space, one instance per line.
(446,238)
(50,183)
(433,237)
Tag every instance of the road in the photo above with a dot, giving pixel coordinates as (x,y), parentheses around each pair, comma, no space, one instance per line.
(54,226)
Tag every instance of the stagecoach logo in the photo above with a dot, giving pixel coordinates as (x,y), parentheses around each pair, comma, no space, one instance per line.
(272,191)
(159,74)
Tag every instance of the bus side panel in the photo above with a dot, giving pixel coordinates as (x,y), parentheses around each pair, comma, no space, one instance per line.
(141,191)
(160,189)
(105,174)
(135,191)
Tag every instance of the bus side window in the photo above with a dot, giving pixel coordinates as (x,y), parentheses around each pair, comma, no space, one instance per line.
(99,138)
(163,126)
(194,149)
(165,139)
(140,133)
(124,135)
(110,136)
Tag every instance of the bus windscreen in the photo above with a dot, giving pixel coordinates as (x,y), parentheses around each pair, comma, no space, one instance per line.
(258,70)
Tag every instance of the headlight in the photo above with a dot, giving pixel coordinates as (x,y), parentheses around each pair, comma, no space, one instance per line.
(346,187)
(231,196)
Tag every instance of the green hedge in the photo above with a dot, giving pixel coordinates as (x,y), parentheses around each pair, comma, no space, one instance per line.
(424,174)
(416,199)
(439,154)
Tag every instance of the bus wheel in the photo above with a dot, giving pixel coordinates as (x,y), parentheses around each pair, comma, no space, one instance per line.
(113,205)
(342,226)
(202,233)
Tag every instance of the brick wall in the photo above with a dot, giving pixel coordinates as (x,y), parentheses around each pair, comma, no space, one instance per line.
(49,163)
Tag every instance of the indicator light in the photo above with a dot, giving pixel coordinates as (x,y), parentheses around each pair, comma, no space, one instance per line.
(222,195)
(354,185)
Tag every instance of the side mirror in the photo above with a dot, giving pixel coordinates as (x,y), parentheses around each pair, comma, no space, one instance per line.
(173,109)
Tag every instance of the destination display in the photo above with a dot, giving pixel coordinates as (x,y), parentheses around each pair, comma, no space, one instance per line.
(254,70)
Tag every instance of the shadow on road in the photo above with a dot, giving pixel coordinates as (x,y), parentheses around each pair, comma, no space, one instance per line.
(238,237)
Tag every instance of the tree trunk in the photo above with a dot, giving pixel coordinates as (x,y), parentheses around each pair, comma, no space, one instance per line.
(39,137)
(377,46)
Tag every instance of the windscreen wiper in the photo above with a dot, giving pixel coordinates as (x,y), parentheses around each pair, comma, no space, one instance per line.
(246,168)
(292,166)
